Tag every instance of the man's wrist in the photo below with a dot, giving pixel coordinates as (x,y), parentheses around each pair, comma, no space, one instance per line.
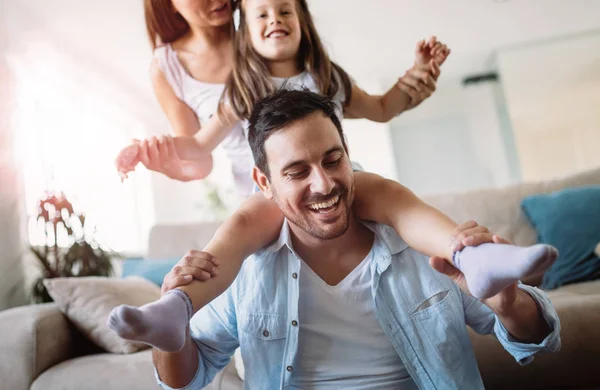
(523,318)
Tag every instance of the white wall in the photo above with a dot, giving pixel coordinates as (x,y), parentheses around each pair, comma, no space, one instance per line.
(434,152)
(553,95)
(445,145)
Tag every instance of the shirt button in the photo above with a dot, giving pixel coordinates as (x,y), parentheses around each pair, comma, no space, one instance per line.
(295,323)
(266,333)
(295,275)
(290,368)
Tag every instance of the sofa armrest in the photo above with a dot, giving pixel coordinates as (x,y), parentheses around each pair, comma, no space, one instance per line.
(32,339)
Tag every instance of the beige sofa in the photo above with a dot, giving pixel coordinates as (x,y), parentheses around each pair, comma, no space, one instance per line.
(39,349)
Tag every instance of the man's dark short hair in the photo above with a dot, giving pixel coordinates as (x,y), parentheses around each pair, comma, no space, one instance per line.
(280,109)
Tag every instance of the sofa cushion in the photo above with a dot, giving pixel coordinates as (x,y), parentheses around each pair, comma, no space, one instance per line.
(569,220)
(500,208)
(117,372)
(87,301)
(101,371)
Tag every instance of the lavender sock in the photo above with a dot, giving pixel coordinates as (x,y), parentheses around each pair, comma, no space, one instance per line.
(489,268)
(160,324)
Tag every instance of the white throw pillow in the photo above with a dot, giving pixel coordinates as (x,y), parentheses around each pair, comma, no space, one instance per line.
(87,301)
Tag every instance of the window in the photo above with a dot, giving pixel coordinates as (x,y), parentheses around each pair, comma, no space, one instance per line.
(70,123)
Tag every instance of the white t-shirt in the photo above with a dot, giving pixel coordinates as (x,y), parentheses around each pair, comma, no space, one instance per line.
(341,344)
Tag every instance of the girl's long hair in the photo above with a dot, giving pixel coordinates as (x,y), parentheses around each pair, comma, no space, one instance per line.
(250,80)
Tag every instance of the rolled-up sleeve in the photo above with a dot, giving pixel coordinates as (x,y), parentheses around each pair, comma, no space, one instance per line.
(214,331)
(523,353)
(196,383)
(482,320)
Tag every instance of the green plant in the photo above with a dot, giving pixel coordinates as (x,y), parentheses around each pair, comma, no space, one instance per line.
(69,247)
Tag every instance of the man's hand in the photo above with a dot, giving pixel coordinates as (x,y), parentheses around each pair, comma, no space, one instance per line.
(473,236)
(196,265)
(515,308)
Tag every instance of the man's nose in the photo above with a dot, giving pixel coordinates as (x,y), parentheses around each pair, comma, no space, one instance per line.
(321,182)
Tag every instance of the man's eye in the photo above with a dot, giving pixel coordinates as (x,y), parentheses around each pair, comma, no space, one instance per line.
(333,163)
(297,174)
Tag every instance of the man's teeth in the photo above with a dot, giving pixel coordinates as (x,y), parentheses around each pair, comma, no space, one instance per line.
(324,205)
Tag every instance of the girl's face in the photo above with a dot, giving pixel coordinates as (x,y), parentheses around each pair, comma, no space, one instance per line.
(204,13)
(274,28)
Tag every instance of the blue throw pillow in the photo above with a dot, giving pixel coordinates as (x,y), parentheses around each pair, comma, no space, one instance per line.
(153,270)
(569,220)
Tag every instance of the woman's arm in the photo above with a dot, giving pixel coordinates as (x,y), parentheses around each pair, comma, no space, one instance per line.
(159,154)
(182,118)
(188,155)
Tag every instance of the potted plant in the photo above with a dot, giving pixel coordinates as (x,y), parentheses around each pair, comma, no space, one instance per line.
(69,248)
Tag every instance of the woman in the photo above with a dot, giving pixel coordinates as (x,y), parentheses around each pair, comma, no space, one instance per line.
(193,55)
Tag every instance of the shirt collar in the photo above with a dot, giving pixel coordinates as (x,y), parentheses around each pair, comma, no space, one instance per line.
(388,238)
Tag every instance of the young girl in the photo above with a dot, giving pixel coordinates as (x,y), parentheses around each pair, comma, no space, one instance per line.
(276,44)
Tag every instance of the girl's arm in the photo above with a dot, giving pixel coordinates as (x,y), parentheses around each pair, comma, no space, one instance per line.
(213,132)
(415,86)
(253,226)
(420,225)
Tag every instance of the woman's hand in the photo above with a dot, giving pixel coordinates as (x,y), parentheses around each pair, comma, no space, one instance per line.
(419,82)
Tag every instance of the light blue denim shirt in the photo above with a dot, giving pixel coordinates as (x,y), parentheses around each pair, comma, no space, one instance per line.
(422,312)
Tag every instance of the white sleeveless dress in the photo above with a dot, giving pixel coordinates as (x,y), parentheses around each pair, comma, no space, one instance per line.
(203,98)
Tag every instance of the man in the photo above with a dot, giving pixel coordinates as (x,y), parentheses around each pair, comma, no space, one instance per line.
(337,303)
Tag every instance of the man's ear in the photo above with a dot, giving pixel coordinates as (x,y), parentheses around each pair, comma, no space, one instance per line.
(262,181)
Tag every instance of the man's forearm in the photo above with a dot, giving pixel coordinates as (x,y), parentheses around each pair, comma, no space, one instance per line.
(177,369)
(524,320)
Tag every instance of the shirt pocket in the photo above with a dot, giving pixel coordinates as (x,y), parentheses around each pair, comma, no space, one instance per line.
(262,341)
(438,325)
(265,327)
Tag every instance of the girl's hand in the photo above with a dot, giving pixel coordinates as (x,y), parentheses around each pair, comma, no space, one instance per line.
(195,265)
(429,50)
(127,159)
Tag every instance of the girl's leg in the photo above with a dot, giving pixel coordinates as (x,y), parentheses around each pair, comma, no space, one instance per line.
(162,324)
(488,268)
